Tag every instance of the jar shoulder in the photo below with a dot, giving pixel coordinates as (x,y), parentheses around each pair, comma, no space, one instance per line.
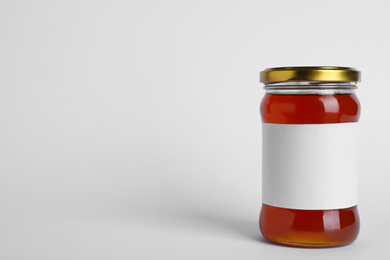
(310,109)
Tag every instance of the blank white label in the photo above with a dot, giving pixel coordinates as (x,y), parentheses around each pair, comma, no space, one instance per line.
(310,166)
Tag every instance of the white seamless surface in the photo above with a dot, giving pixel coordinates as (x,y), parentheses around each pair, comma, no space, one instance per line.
(130,129)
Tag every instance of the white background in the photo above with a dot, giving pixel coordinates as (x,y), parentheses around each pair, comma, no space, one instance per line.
(131,130)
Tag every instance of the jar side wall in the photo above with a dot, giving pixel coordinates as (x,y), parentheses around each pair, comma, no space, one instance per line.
(308,228)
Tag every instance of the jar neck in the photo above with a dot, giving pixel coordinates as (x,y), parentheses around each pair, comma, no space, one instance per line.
(310,88)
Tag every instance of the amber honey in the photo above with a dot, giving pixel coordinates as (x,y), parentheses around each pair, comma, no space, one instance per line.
(309,228)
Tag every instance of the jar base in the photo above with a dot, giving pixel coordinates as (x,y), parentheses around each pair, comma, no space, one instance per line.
(309,228)
(306,244)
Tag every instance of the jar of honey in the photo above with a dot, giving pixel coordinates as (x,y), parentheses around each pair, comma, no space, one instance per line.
(309,169)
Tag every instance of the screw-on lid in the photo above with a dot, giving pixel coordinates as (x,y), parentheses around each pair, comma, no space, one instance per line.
(318,74)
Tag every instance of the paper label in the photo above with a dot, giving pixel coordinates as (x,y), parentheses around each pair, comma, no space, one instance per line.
(312,166)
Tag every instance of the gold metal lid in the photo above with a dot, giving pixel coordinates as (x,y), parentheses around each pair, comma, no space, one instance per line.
(319,74)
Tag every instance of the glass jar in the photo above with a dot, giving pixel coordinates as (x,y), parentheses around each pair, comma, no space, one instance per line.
(310,117)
